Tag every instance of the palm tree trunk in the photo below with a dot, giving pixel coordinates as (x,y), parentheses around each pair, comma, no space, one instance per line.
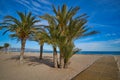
(23,41)
(41,51)
(66,64)
(61,59)
(55,59)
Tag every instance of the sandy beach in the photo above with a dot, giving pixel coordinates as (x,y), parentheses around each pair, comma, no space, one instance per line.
(34,69)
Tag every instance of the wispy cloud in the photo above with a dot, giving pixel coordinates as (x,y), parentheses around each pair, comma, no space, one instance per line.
(98,25)
(116,41)
(43,22)
(110,6)
(25,1)
(44,1)
(110,45)
(85,39)
(22,2)
(110,34)
(35,5)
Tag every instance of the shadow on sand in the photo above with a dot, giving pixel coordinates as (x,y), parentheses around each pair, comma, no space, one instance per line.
(33,60)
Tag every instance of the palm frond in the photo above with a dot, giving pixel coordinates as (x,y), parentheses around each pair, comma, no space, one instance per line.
(22,16)
(5,32)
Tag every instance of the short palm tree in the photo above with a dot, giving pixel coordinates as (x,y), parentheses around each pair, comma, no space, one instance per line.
(1,47)
(21,28)
(6,46)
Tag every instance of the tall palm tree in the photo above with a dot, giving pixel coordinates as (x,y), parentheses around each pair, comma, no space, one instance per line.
(41,50)
(50,35)
(62,17)
(21,28)
(38,37)
(63,29)
(70,28)
(6,45)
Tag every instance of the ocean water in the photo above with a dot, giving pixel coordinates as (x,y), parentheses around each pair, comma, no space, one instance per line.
(84,52)
(100,52)
(94,52)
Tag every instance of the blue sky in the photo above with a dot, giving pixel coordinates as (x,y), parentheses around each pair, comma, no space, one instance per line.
(104,16)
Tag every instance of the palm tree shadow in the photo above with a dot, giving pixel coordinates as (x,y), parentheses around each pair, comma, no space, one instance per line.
(33,60)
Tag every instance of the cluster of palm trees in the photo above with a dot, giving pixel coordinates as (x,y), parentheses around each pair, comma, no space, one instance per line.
(63,28)
(5,47)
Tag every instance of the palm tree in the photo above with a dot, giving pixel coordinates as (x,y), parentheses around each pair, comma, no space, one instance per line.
(21,28)
(50,35)
(38,37)
(6,45)
(62,17)
(70,28)
(1,47)
(41,50)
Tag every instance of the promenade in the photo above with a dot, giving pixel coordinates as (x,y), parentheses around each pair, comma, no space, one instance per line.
(103,69)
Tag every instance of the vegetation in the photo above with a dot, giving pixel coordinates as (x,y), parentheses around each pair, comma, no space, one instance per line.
(63,28)
(21,28)
(38,37)
(6,46)
(50,35)
(1,47)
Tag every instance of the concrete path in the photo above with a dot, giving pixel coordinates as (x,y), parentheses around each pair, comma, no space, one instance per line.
(103,69)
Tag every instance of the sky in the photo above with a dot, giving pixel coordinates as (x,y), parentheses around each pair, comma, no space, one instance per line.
(104,16)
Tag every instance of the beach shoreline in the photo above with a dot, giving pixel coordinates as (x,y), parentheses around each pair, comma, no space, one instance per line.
(10,69)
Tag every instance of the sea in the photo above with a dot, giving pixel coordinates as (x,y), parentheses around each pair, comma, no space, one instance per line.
(83,52)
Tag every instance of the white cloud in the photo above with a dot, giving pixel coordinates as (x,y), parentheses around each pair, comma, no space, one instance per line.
(110,34)
(36,9)
(25,1)
(45,2)
(24,4)
(43,22)
(107,34)
(117,41)
(85,39)
(96,24)
(110,45)
(35,6)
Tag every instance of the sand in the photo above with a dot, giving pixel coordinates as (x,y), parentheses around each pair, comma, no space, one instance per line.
(34,69)
(117,58)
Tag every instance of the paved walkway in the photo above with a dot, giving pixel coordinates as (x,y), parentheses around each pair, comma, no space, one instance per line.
(103,69)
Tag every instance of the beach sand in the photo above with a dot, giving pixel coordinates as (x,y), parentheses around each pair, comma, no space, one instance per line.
(35,69)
